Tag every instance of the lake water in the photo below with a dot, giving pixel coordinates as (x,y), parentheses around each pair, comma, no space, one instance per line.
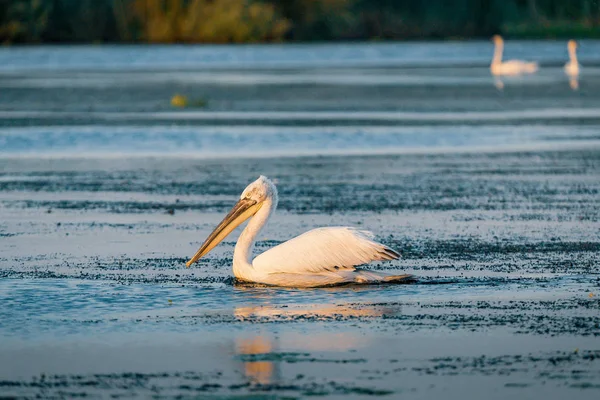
(290,99)
(489,188)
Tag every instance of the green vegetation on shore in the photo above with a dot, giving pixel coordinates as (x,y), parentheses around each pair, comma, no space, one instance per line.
(247,21)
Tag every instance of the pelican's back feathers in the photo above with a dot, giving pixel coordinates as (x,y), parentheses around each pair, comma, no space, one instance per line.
(331,249)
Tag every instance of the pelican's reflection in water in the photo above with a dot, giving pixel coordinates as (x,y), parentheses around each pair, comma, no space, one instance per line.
(257,370)
(313,312)
(262,355)
(292,307)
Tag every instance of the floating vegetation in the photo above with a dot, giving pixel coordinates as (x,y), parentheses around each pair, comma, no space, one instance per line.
(182,101)
(179,100)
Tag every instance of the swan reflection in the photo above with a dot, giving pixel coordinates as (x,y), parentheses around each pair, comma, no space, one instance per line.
(499,83)
(574,83)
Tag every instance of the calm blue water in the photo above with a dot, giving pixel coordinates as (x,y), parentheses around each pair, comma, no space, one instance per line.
(437,54)
(92,251)
(269,140)
(292,99)
(50,308)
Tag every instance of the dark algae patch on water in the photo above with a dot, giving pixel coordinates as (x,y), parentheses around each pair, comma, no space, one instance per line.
(558,185)
(574,370)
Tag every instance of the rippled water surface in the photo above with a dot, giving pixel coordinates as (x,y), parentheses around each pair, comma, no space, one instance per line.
(489,189)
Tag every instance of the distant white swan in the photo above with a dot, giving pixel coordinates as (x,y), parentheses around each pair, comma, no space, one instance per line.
(572,67)
(321,257)
(510,67)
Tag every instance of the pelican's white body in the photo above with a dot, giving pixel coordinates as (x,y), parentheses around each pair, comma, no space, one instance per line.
(320,257)
(510,67)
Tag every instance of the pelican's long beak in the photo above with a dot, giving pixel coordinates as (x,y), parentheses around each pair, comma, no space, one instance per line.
(244,209)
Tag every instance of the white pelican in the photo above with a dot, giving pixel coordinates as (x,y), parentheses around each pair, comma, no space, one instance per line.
(510,67)
(320,257)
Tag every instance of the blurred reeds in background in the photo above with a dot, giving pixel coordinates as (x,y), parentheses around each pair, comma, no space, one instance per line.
(247,21)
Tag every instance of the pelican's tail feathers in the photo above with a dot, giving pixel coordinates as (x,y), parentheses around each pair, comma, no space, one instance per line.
(366,276)
(398,278)
(388,254)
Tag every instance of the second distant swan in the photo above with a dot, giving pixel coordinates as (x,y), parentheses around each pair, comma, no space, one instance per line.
(511,67)
(572,67)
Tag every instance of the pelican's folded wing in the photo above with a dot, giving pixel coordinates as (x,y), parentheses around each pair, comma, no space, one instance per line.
(324,249)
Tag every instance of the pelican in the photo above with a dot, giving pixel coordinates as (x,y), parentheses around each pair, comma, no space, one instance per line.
(510,67)
(320,257)
(572,67)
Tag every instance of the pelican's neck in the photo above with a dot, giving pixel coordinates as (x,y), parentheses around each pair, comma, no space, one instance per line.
(497,59)
(573,55)
(242,255)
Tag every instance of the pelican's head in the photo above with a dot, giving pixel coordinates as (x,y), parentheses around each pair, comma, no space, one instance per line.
(251,200)
(497,39)
(572,45)
(260,190)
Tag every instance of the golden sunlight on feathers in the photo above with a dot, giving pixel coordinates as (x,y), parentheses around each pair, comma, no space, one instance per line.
(320,257)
